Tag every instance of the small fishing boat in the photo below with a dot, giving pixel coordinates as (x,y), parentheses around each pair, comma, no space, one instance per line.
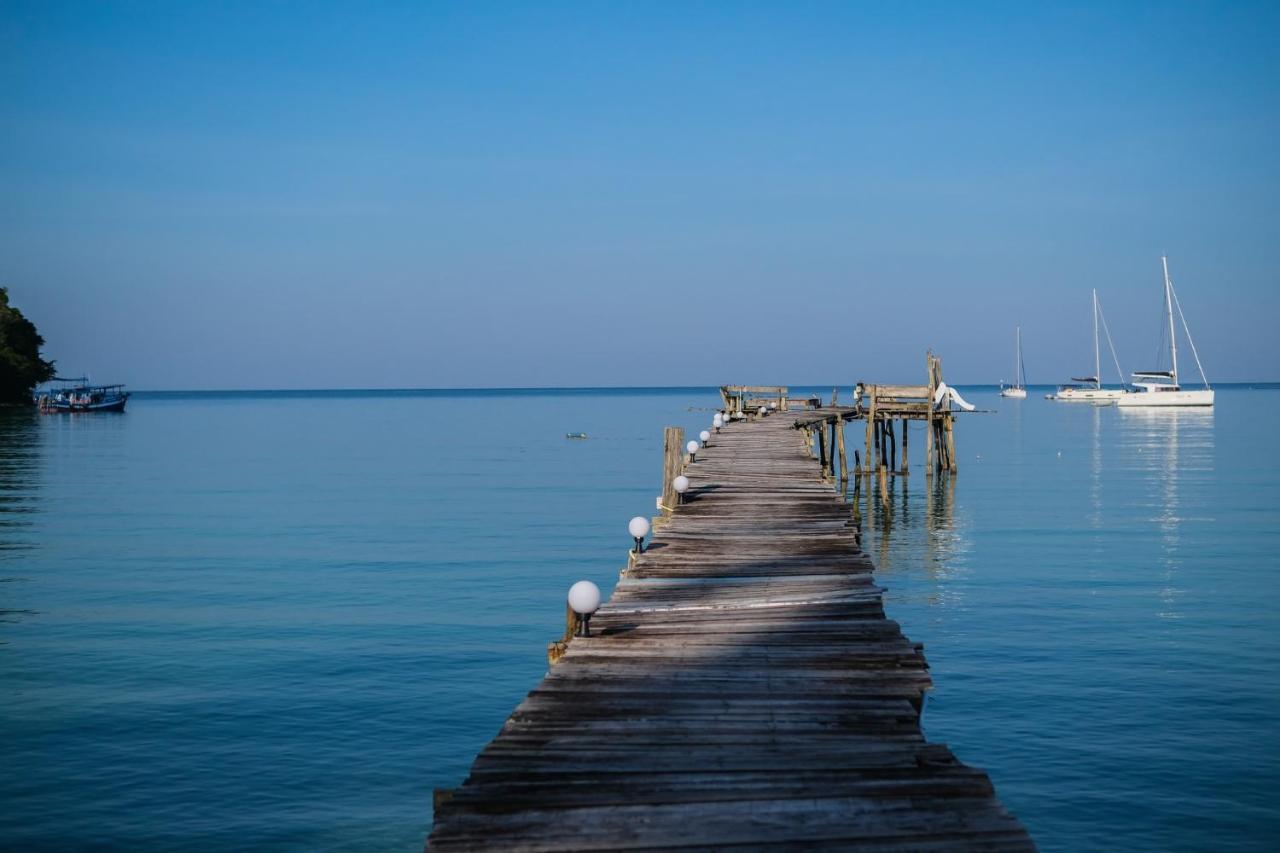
(1018,389)
(79,396)
(577,435)
(1160,387)
(1090,389)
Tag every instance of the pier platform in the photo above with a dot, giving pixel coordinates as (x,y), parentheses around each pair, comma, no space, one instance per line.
(742,687)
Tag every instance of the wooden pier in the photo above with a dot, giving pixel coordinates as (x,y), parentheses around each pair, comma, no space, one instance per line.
(881,407)
(741,688)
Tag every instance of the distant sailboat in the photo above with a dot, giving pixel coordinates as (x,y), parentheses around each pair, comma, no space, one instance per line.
(1159,387)
(1019,387)
(1090,389)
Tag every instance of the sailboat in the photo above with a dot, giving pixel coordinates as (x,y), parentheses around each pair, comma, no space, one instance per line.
(1090,388)
(1019,387)
(1160,387)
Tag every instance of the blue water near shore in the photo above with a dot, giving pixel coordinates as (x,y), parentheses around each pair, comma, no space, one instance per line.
(278,620)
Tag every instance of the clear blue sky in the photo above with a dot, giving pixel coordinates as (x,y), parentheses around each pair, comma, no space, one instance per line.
(264,194)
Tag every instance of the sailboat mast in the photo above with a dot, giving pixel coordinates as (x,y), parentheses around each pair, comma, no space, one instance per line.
(1168,304)
(1097,358)
(1017,357)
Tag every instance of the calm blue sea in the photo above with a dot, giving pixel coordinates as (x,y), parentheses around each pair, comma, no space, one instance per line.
(236,621)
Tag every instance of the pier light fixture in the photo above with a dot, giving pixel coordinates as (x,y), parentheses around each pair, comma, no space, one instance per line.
(692,447)
(639,528)
(717,421)
(705,437)
(584,600)
(681,485)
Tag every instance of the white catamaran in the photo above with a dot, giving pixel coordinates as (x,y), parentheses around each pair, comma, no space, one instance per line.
(1019,387)
(1090,389)
(1161,388)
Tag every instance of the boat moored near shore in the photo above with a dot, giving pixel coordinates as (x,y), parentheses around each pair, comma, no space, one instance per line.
(79,397)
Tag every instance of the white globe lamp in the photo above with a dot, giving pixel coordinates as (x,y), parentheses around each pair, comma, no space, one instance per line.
(681,485)
(639,528)
(584,600)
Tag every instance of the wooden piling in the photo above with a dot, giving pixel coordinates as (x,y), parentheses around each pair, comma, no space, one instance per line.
(948,422)
(928,421)
(871,427)
(672,463)
(834,448)
(893,445)
(905,470)
(844,459)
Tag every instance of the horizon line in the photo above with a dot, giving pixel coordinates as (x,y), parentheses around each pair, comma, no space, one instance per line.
(508,388)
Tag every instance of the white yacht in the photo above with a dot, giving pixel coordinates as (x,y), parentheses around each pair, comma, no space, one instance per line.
(1089,389)
(1160,387)
(1019,387)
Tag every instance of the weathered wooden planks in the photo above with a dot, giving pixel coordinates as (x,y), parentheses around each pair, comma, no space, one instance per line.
(742,687)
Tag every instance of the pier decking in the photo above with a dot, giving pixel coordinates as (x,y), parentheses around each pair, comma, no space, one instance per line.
(742,687)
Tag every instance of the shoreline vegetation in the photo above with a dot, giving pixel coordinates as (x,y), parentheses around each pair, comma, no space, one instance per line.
(21,367)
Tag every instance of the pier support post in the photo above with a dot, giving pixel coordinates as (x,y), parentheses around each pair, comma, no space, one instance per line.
(949,422)
(905,432)
(672,460)
(893,445)
(869,457)
(833,448)
(844,461)
(928,420)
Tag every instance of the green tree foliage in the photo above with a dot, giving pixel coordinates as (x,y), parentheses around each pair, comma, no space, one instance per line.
(21,366)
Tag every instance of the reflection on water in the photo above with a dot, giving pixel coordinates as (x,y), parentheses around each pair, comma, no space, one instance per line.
(1095,468)
(904,528)
(19,500)
(1096,593)
(1118,452)
(1164,448)
(19,467)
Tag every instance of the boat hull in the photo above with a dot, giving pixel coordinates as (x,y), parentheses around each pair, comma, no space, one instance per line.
(79,408)
(1088,395)
(1015,393)
(1165,399)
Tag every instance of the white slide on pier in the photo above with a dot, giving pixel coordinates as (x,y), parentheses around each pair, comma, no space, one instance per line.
(944,391)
